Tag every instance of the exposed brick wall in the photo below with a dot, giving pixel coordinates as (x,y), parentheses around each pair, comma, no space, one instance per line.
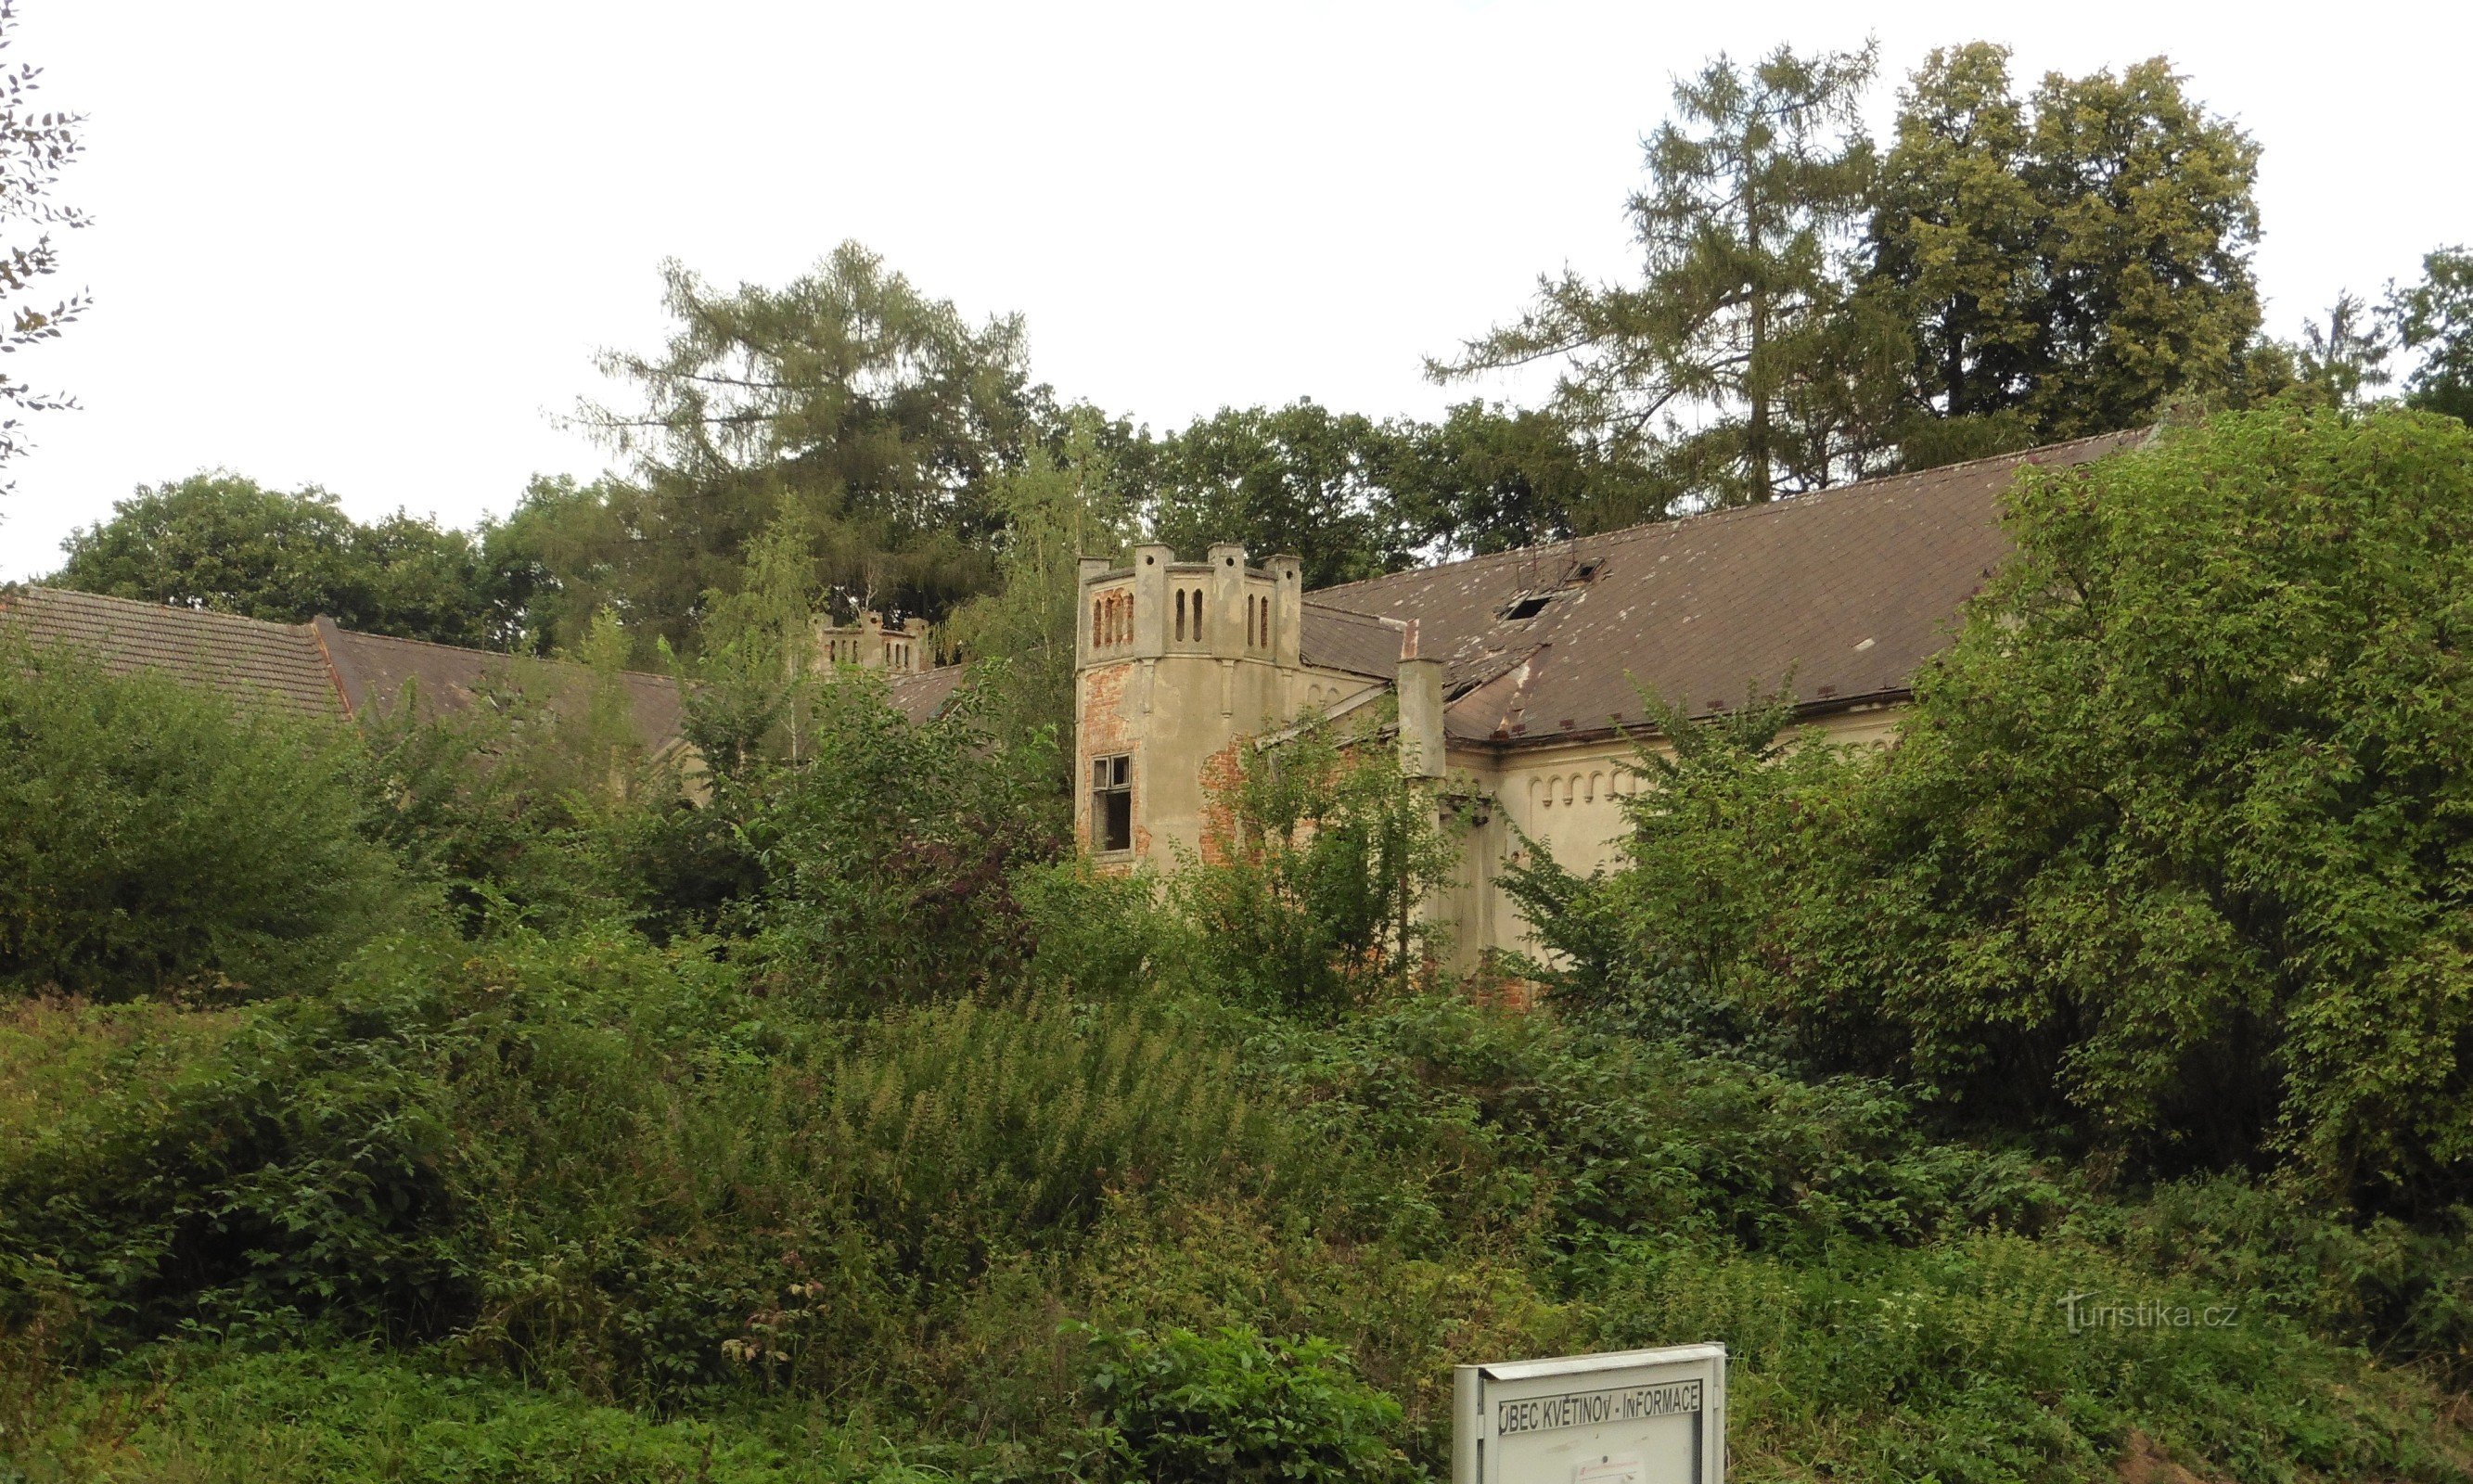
(1221,774)
(1101,729)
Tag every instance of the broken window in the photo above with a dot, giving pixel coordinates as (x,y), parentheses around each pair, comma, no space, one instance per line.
(1112,803)
(1527,608)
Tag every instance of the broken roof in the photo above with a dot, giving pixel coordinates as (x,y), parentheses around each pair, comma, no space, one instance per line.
(1843,593)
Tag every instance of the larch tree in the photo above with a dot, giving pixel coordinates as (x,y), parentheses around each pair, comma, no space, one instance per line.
(1740,363)
(873,412)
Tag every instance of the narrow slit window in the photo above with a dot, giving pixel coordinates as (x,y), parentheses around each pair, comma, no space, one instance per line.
(1112,803)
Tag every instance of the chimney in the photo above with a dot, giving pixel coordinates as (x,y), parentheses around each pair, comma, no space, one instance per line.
(1287,608)
(1420,689)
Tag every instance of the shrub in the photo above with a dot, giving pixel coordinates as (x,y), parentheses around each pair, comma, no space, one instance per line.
(2170,838)
(886,852)
(1234,1407)
(157,838)
(2168,854)
(270,1165)
(1486,1118)
(1306,898)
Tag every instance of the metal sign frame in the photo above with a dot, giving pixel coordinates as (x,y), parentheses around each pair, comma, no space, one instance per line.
(1578,1398)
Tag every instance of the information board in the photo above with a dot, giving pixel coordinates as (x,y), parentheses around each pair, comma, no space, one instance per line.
(1630,1417)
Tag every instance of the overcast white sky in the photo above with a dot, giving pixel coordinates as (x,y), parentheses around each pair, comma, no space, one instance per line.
(374,246)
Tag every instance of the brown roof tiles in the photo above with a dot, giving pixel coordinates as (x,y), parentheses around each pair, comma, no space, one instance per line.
(1847,590)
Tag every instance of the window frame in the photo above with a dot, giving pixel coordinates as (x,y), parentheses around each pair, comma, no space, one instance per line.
(1111,804)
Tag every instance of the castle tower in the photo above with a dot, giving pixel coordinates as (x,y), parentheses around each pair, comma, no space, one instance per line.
(1176,664)
(873,644)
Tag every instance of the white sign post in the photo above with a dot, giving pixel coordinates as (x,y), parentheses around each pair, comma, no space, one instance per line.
(1632,1417)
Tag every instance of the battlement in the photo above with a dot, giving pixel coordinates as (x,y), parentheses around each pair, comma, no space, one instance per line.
(873,644)
(1220,608)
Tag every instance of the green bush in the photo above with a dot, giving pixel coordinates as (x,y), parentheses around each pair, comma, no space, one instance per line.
(1306,901)
(1479,1117)
(1234,1407)
(157,838)
(2172,839)
(268,1166)
(886,849)
(2168,854)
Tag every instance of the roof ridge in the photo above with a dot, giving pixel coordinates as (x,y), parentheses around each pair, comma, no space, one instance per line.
(495,653)
(152,606)
(1633,531)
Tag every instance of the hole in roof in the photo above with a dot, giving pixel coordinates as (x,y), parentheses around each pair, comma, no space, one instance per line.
(1526,607)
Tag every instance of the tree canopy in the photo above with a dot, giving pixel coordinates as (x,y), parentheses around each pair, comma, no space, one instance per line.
(2169,851)
(224,543)
(845,404)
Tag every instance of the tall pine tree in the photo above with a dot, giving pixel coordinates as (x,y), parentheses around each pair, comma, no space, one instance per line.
(1741,364)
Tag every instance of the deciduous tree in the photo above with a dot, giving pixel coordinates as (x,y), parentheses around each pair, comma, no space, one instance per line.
(226,542)
(2435,317)
(34,148)
(2068,264)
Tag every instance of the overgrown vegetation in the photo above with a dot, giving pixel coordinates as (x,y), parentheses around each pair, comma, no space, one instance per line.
(906,1146)
(2164,860)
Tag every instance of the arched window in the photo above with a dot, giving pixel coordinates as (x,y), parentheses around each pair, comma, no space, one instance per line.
(1180,615)
(1197,613)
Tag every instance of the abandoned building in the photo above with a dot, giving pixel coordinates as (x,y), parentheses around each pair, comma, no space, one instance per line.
(1512,681)
(1517,676)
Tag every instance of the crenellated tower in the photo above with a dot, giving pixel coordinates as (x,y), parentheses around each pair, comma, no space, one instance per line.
(873,644)
(1178,663)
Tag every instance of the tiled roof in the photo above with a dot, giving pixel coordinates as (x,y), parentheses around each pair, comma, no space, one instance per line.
(279,661)
(1333,638)
(374,672)
(925,695)
(317,667)
(1847,590)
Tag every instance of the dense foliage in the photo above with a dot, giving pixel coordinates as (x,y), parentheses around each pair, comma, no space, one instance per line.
(155,840)
(481,1095)
(224,542)
(814,1118)
(2170,850)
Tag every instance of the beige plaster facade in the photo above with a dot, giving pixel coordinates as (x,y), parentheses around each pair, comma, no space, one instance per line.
(1512,683)
(1181,663)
